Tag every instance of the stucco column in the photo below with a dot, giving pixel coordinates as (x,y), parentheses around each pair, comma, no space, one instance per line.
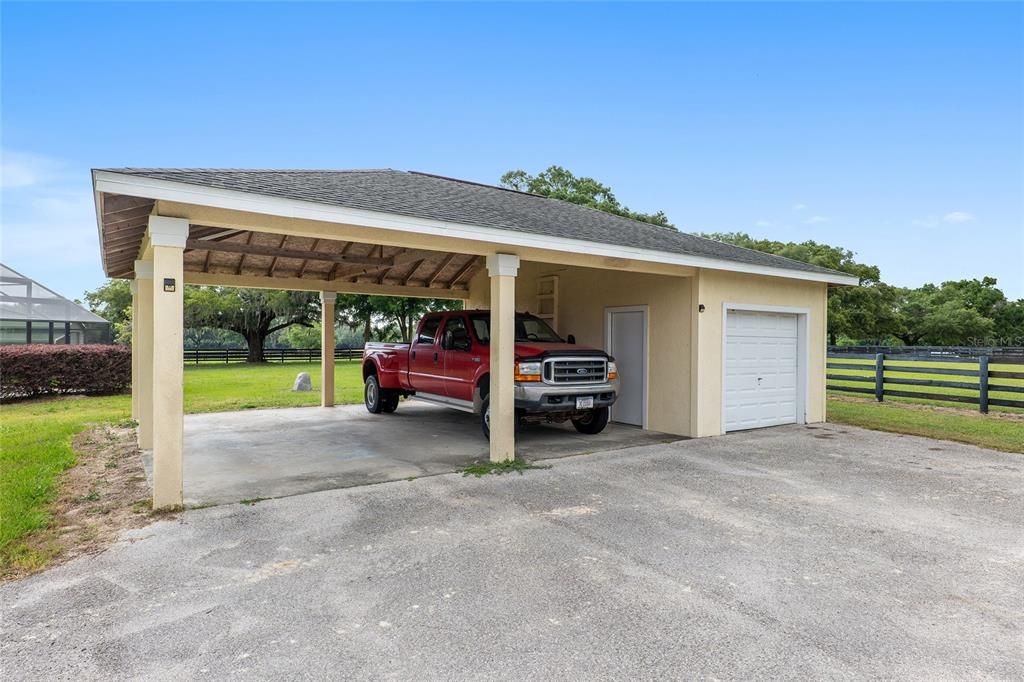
(502,268)
(167,238)
(135,349)
(142,348)
(327,299)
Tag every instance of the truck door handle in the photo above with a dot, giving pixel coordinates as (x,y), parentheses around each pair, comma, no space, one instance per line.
(435,356)
(414,355)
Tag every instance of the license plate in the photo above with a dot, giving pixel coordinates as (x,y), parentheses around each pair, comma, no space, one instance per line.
(585,403)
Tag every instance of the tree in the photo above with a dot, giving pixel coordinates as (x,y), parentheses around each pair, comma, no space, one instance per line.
(113,302)
(864,312)
(966,312)
(1009,323)
(387,317)
(253,313)
(299,336)
(559,183)
(405,312)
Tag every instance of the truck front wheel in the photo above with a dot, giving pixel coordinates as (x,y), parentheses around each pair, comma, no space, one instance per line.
(485,419)
(592,422)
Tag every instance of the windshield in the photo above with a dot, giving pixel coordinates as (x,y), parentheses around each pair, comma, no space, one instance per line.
(528,328)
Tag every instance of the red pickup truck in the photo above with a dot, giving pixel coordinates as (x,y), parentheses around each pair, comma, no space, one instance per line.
(448,363)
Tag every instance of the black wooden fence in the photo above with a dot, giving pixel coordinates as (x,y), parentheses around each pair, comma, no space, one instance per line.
(884,365)
(198,355)
(994,352)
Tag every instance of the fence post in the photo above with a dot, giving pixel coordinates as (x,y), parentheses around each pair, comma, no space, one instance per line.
(879,376)
(983,384)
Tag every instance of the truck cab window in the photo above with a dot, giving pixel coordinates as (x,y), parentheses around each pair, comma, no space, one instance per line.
(528,328)
(456,335)
(481,330)
(428,330)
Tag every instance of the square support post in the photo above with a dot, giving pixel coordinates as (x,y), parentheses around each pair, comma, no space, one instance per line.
(135,350)
(502,269)
(327,299)
(167,239)
(142,347)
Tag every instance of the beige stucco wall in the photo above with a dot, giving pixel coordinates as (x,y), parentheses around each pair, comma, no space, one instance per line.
(714,288)
(685,370)
(584,293)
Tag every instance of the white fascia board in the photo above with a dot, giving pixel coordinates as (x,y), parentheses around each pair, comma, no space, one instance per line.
(167,190)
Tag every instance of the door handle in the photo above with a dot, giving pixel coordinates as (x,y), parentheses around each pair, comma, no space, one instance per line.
(435,356)
(413,355)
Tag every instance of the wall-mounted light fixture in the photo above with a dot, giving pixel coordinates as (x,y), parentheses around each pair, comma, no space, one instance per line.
(700,308)
(169,284)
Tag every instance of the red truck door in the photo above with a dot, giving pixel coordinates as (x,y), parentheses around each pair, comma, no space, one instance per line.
(426,363)
(460,361)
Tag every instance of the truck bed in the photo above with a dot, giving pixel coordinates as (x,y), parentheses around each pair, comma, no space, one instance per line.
(392,360)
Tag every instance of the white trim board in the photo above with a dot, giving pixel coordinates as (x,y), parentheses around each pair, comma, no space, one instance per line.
(608,311)
(167,190)
(803,354)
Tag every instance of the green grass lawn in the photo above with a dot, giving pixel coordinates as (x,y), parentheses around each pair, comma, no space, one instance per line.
(999,432)
(35,436)
(227,387)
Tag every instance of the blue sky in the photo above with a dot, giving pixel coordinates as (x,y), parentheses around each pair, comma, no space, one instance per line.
(895,130)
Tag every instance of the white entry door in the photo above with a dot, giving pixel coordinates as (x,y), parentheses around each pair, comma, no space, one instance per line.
(761,369)
(626,332)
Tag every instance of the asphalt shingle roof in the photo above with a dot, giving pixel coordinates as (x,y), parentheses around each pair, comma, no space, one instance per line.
(422,195)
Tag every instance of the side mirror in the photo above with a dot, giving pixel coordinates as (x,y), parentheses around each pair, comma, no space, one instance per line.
(446,340)
(571,339)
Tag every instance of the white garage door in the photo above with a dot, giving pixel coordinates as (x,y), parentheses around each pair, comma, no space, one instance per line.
(760,369)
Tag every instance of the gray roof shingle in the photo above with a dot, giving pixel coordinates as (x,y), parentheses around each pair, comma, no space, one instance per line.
(422,195)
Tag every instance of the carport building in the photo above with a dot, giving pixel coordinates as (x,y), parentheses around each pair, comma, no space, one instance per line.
(709,337)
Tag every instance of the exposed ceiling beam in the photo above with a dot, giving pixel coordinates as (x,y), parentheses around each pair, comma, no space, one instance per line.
(312,249)
(273,263)
(259,250)
(241,261)
(444,263)
(415,267)
(469,265)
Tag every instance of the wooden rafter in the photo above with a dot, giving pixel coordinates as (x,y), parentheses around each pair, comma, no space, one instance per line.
(241,261)
(273,262)
(437,273)
(312,249)
(334,270)
(408,275)
(260,250)
(469,265)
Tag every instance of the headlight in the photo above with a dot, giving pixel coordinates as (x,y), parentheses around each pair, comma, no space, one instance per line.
(613,371)
(527,371)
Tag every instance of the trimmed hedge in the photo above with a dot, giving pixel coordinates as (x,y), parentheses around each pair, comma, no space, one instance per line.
(28,371)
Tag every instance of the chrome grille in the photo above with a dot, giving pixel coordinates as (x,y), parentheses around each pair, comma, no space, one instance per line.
(575,371)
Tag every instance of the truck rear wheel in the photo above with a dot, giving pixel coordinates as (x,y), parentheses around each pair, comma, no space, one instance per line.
(592,422)
(374,396)
(390,401)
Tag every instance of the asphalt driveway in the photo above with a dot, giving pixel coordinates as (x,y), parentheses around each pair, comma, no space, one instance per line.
(794,552)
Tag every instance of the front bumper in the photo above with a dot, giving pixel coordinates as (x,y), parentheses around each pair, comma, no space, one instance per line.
(541,397)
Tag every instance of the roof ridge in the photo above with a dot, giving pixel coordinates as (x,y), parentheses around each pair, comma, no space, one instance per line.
(478,184)
(207,169)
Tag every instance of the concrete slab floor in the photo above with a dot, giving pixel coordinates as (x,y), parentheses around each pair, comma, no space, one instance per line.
(233,456)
